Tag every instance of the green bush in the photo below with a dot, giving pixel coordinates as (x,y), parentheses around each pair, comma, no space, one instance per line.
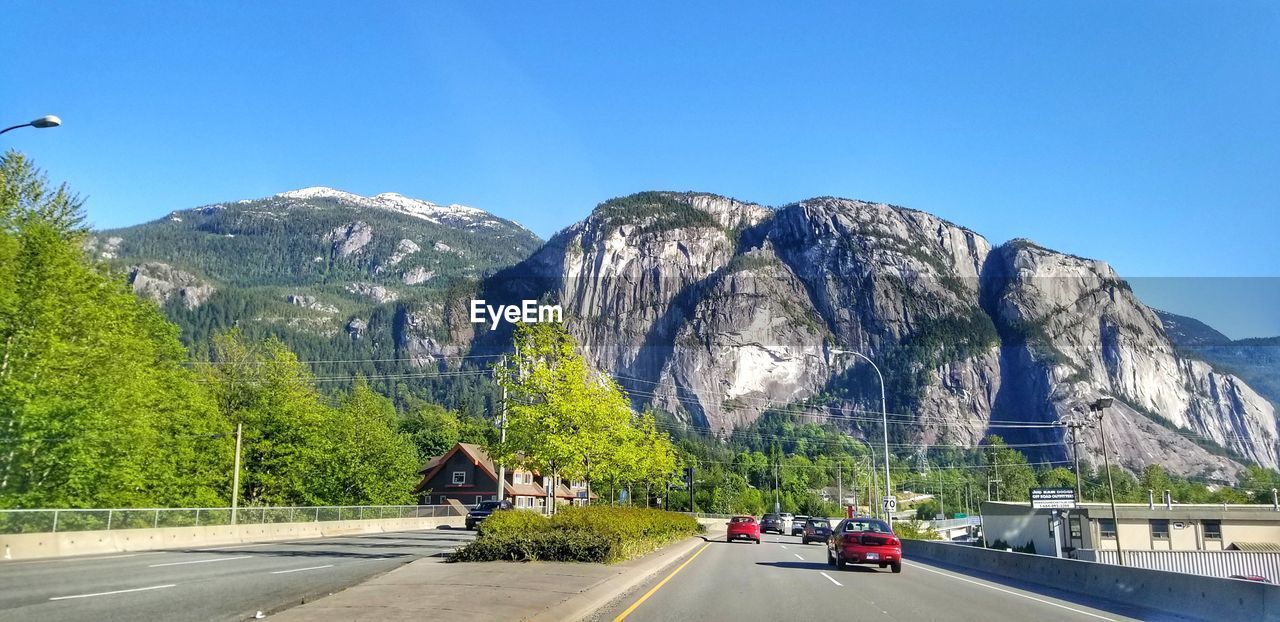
(915,530)
(599,534)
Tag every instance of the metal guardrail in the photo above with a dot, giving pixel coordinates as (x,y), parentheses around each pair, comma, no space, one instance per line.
(60,520)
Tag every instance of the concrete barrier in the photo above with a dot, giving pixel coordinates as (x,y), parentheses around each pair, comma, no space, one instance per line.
(1171,592)
(39,545)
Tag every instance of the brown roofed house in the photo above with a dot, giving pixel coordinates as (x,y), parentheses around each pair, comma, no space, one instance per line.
(466,474)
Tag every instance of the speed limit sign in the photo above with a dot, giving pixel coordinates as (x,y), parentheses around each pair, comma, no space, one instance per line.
(890,504)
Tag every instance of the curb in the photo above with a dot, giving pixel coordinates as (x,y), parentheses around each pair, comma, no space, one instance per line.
(582,605)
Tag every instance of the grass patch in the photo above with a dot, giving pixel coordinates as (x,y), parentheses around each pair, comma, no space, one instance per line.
(598,534)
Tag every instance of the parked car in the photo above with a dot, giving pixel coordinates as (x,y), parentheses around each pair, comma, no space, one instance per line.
(772,522)
(815,530)
(743,528)
(483,510)
(864,541)
(797,525)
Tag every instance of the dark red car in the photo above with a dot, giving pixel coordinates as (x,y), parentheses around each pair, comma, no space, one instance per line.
(744,528)
(864,541)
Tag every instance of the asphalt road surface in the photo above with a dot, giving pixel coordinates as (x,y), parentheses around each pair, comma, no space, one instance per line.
(216,583)
(782,579)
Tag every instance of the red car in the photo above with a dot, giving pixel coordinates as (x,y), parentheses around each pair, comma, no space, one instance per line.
(744,528)
(864,541)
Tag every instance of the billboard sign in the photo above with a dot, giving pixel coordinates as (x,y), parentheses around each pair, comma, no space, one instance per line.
(1053,498)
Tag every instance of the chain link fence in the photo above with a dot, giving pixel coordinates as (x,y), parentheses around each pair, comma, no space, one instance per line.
(54,521)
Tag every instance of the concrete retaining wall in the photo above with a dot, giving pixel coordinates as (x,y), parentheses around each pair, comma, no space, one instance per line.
(37,545)
(1171,592)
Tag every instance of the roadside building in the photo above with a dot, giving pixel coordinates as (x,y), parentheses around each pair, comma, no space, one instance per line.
(1197,538)
(467,475)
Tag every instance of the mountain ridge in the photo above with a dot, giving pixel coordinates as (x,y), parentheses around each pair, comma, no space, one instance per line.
(707,307)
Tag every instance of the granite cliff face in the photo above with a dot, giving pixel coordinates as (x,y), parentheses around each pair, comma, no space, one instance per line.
(716,310)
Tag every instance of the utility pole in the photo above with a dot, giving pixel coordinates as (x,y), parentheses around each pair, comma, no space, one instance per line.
(942,496)
(502,435)
(839,489)
(995,478)
(1074,426)
(235,475)
(875,488)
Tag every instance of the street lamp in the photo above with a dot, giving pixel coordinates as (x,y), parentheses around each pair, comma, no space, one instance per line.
(884,412)
(41,123)
(1098,408)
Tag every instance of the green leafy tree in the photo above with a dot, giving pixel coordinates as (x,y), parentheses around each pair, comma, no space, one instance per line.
(433,430)
(1017,478)
(96,406)
(1057,478)
(566,420)
(262,387)
(369,461)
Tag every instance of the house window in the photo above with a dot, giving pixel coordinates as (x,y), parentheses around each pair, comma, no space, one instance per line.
(1107,527)
(1212,530)
(1160,529)
(479,499)
(459,477)
(444,500)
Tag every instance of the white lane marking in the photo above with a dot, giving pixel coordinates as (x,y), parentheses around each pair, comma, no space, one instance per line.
(302,569)
(830,579)
(998,589)
(200,561)
(798,556)
(121,556)
(784,546)
(239,546)
(136,589)
(64,560)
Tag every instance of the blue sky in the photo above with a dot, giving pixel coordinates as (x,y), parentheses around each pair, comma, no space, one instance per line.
(1146,134)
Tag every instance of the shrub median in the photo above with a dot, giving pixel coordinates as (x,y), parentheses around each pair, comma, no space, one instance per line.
(600,534)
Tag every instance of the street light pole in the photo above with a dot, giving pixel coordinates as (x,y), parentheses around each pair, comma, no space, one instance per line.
(1098,408)
(884,413)
(41,123)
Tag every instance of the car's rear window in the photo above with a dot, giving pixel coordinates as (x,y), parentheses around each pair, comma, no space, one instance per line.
(743,519)
(873,526)
(769,516)
(820,523)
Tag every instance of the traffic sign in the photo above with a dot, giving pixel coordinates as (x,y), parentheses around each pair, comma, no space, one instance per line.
(890,504)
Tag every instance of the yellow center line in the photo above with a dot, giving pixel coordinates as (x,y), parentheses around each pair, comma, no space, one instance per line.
(623,616)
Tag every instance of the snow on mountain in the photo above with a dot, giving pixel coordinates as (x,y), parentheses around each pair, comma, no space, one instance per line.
(452,214)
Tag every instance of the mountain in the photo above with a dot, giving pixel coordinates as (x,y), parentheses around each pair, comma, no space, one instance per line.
(337,275)
(1255,360)
(716,310)
(1189,332)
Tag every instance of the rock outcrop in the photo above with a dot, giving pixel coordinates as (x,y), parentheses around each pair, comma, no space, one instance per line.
(162,282)
(717,310)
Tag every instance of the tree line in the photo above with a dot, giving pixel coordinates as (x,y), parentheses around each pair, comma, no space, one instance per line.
(101,405)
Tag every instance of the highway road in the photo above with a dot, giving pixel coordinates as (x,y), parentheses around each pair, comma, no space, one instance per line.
(782,579)
(217,583)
